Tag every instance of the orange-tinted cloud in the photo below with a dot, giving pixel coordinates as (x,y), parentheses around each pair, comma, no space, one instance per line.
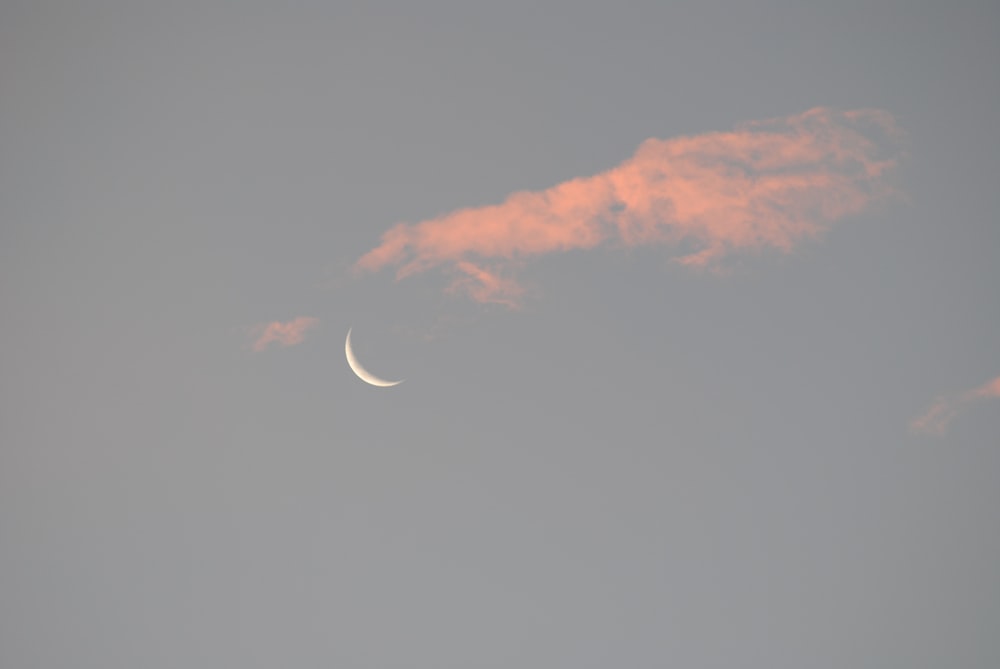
(766,184)
(485,286)
(284,334)
(937,417)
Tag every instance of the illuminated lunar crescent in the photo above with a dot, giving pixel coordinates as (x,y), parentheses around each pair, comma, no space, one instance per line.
(363,373)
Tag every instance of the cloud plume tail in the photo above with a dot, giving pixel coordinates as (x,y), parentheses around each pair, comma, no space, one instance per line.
(938,416)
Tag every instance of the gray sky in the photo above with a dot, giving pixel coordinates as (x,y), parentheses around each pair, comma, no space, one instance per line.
(785,456)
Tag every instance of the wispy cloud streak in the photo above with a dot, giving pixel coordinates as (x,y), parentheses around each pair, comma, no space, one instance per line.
(284,334)
(944,409)
(766,184)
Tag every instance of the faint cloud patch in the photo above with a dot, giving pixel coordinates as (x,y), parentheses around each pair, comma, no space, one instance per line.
(290,333)
(938,416)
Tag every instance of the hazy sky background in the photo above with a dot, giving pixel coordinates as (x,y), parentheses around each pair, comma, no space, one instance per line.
(643,464)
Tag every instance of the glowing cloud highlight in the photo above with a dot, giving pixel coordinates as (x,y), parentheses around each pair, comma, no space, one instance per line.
(284,334)
(766,184)
(944,409)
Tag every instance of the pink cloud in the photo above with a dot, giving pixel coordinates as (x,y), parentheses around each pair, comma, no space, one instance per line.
(284,334)
(766,184)
(991,389)
(485,286)
(936,418)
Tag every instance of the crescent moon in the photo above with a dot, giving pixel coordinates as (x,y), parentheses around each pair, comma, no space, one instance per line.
(363,373)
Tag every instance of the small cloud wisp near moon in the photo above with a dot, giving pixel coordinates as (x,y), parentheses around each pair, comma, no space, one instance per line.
(944,409)
(766,184)
(291,333)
